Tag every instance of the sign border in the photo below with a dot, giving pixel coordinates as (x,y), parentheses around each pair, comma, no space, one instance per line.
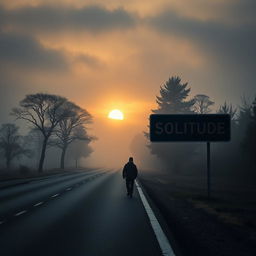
(188,141)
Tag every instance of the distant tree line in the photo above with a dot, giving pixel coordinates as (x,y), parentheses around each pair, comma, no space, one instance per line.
(54,121)
(236,155)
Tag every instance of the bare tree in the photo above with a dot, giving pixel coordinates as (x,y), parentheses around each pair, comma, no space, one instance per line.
(71,128)
(11,143)
(43,112)
(202,104)
(77,150)
(34,141)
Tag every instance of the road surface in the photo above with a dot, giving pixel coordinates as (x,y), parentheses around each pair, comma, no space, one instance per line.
(80,214)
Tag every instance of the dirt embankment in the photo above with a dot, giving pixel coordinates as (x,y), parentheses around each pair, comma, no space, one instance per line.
(224,225)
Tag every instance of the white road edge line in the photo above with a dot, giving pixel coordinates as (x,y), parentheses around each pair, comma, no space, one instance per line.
(67,189)
(35,205)
(19,213)
(161,237)
(55,195)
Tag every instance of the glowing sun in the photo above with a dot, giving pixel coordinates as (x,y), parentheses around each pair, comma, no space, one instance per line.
(116,114)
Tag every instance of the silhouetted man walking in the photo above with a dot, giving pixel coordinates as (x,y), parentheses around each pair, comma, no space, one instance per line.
(130,173)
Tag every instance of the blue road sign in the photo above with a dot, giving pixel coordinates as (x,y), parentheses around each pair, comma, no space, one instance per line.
(190,127)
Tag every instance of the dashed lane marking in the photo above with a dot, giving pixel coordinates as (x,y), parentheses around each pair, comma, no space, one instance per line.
(20,213)
(55,195)
(161,238)
(40,203)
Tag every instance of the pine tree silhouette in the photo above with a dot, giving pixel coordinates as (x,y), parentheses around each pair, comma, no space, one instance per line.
(172,99)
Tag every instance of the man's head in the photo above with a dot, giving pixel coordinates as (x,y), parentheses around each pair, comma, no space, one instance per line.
(130,159)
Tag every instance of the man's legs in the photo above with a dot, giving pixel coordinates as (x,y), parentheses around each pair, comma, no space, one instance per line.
(129,186)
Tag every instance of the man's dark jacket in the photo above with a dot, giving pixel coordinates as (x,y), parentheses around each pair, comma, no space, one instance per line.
(130,171)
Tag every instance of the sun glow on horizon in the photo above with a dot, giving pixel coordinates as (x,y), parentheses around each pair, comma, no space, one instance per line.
(116,114)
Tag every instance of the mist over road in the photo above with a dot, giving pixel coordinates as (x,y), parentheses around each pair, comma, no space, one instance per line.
(85,213)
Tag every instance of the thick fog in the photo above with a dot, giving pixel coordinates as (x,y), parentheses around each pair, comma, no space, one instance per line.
(117,57)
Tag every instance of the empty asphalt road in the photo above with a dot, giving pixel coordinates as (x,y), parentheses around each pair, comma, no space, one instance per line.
(80,214)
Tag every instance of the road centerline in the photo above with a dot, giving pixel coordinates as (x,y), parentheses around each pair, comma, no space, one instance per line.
(20,213)
(55,195)
(37,204)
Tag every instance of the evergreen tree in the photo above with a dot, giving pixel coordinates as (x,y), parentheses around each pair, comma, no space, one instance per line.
(249,141)
(172,99)
(227,109)
(244,117)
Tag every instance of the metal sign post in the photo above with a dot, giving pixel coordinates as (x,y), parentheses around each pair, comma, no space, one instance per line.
(191,128)
(208,170)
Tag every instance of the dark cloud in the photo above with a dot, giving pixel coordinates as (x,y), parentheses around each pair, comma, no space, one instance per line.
(25,51)
(50,18)
(240,11)
(11,92)
(231,44)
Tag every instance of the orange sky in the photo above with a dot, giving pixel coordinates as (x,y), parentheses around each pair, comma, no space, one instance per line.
(116,54)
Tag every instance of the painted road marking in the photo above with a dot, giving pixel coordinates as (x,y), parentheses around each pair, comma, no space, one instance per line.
(2,222)
(67,189)
(19,213)
(161,237)
(55,195)
(35,205)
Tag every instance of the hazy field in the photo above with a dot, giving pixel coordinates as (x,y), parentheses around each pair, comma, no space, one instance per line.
(223,225)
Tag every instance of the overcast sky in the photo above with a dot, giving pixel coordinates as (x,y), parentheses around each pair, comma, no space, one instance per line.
(116,54)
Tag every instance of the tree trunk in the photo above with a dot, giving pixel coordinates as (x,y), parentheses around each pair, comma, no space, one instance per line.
(41,161)
(62,160)
(8,163)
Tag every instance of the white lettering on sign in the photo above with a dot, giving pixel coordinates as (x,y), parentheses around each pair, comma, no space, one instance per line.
(190,128)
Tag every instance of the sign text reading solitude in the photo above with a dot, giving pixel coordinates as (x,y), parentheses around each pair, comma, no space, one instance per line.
(193,127)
